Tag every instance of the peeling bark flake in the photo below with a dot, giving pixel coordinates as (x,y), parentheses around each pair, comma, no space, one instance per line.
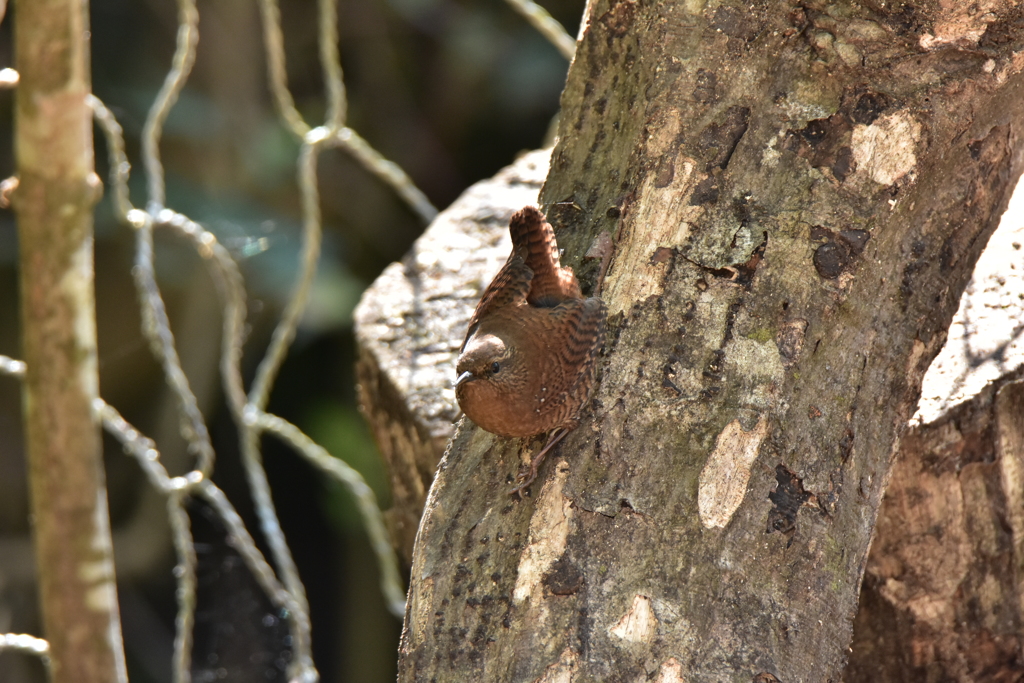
(958,24)
(671,671)
(723,481)
(885,150)
(549,530)
(564,670)
(665,212)
(638,624)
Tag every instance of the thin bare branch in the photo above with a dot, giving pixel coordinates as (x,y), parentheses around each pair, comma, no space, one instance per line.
(547,26)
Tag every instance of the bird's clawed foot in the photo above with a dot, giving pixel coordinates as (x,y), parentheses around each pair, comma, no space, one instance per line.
(529,473)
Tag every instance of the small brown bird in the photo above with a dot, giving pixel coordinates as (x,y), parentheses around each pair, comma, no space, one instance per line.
(527,364)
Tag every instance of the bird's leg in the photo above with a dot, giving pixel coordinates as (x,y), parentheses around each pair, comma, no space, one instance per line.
(526,478)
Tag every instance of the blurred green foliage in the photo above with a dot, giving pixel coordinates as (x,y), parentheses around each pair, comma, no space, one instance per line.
(338,427)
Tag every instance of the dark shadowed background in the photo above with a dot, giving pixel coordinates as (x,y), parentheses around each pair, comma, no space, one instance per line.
(451,90)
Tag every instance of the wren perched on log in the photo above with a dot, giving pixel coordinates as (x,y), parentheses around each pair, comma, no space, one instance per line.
(527,364)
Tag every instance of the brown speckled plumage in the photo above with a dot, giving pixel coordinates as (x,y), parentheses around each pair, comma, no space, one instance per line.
(527,364)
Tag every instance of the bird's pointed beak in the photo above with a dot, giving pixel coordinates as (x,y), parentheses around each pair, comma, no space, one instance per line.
(464,377)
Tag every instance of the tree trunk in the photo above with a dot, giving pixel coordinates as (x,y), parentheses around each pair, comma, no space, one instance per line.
(943,592)
(796,197)
(943,598)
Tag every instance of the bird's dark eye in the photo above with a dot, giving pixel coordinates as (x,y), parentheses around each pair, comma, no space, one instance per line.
(495,367)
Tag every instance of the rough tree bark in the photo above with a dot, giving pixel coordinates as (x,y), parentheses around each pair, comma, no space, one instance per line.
(943,595)
(796,196)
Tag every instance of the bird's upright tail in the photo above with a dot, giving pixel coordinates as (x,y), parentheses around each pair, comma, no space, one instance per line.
(534,240)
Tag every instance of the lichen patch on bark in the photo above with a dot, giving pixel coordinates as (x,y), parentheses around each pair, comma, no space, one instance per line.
(638,624)
(549,530)
(771,154)
(760,366)
(723,481)
(885,150)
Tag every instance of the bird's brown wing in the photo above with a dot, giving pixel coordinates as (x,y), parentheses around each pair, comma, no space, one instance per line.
(583,324)
(534,240)
(508,288)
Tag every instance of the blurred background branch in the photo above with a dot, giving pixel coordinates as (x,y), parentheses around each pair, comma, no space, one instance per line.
(53,197)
